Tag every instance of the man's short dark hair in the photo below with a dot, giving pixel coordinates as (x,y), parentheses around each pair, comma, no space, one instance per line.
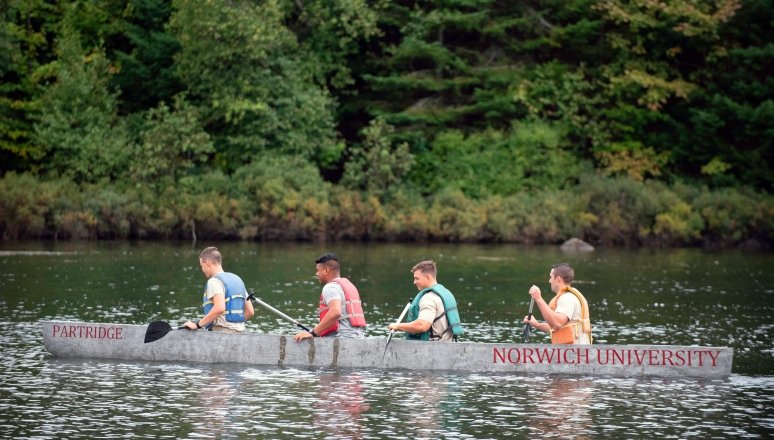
(211,254)
(326,257)
(565,271)
(427,267)
(329,260)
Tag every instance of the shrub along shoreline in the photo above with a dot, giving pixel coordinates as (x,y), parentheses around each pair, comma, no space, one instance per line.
(601,210)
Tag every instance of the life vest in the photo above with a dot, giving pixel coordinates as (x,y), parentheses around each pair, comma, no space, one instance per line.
(569,333)
(352,305)
(449,311)
(236,295)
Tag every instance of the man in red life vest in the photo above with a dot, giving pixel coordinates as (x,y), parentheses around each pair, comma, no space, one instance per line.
(341,312)
(567,315)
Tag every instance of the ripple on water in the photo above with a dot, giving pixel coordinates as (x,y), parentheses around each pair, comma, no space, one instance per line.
(88,399)
(49,398)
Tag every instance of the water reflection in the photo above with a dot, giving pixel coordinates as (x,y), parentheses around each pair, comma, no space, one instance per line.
(216,406)
(428,407)
(416,404)
(340,405)
(560,405)
(82,399)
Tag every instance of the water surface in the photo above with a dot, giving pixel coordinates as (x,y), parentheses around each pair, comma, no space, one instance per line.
(682,297)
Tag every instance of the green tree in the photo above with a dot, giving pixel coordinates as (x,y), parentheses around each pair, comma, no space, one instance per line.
(452,77)
(173,142)
(661,54)
(245,69)
(25,31)
(144,54)
(531,155)
(653,40)
(377,165)
(80,131)
(728,134)
(332,32)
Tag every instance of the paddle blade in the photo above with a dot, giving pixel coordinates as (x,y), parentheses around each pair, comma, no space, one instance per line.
(157,330)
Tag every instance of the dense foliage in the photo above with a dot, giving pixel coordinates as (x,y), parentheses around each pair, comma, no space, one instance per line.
(622,122)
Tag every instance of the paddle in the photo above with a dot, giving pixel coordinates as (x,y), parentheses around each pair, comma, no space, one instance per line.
(158,329)
(280,314)
(527,327)
(392,332)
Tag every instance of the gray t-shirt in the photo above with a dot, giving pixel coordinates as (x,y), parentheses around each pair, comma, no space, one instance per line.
(333,291)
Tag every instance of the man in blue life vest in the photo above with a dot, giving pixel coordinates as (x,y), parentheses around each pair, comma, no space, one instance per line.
(433,314)
(341,312)
(225,303)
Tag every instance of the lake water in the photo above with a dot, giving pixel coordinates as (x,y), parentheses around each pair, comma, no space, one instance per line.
(680,297)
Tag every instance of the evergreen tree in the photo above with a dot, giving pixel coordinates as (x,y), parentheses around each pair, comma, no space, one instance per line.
(144,54)
(26,30)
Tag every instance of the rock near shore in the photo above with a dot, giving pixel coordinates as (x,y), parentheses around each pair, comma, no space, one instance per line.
(576,245)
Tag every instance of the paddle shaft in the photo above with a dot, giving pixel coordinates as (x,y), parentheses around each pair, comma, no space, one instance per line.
(392,332)
(278,313)
(529,317)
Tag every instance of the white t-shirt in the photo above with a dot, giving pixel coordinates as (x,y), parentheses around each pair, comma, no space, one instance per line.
(431,307)
(333,291)
(216,287)
(569,306)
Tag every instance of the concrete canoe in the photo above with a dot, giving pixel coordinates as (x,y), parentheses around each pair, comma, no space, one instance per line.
(69,339)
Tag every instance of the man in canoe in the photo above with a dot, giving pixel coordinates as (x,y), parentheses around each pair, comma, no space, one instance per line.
(341,312)
(567,315)
(433,314)
(225,303)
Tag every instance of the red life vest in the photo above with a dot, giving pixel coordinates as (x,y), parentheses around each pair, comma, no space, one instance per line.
(352,303)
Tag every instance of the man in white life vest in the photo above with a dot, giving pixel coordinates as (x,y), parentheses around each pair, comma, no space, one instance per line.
(567,315)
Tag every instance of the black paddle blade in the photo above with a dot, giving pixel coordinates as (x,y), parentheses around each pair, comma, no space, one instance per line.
(157,330)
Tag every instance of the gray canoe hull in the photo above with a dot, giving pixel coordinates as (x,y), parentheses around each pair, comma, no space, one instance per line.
(123,341)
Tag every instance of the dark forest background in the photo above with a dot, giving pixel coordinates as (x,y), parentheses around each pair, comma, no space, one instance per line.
(620,122)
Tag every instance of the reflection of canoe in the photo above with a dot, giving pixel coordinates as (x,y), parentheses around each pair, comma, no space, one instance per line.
(123,341)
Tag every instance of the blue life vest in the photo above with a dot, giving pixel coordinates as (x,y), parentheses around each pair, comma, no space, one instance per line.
(450,312)
(236,295)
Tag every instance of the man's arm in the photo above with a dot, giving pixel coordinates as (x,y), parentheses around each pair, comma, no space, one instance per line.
(417,326)
(333,315)
(249,310)
(218,307)
(542,326)
(553,319)
(427,314)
